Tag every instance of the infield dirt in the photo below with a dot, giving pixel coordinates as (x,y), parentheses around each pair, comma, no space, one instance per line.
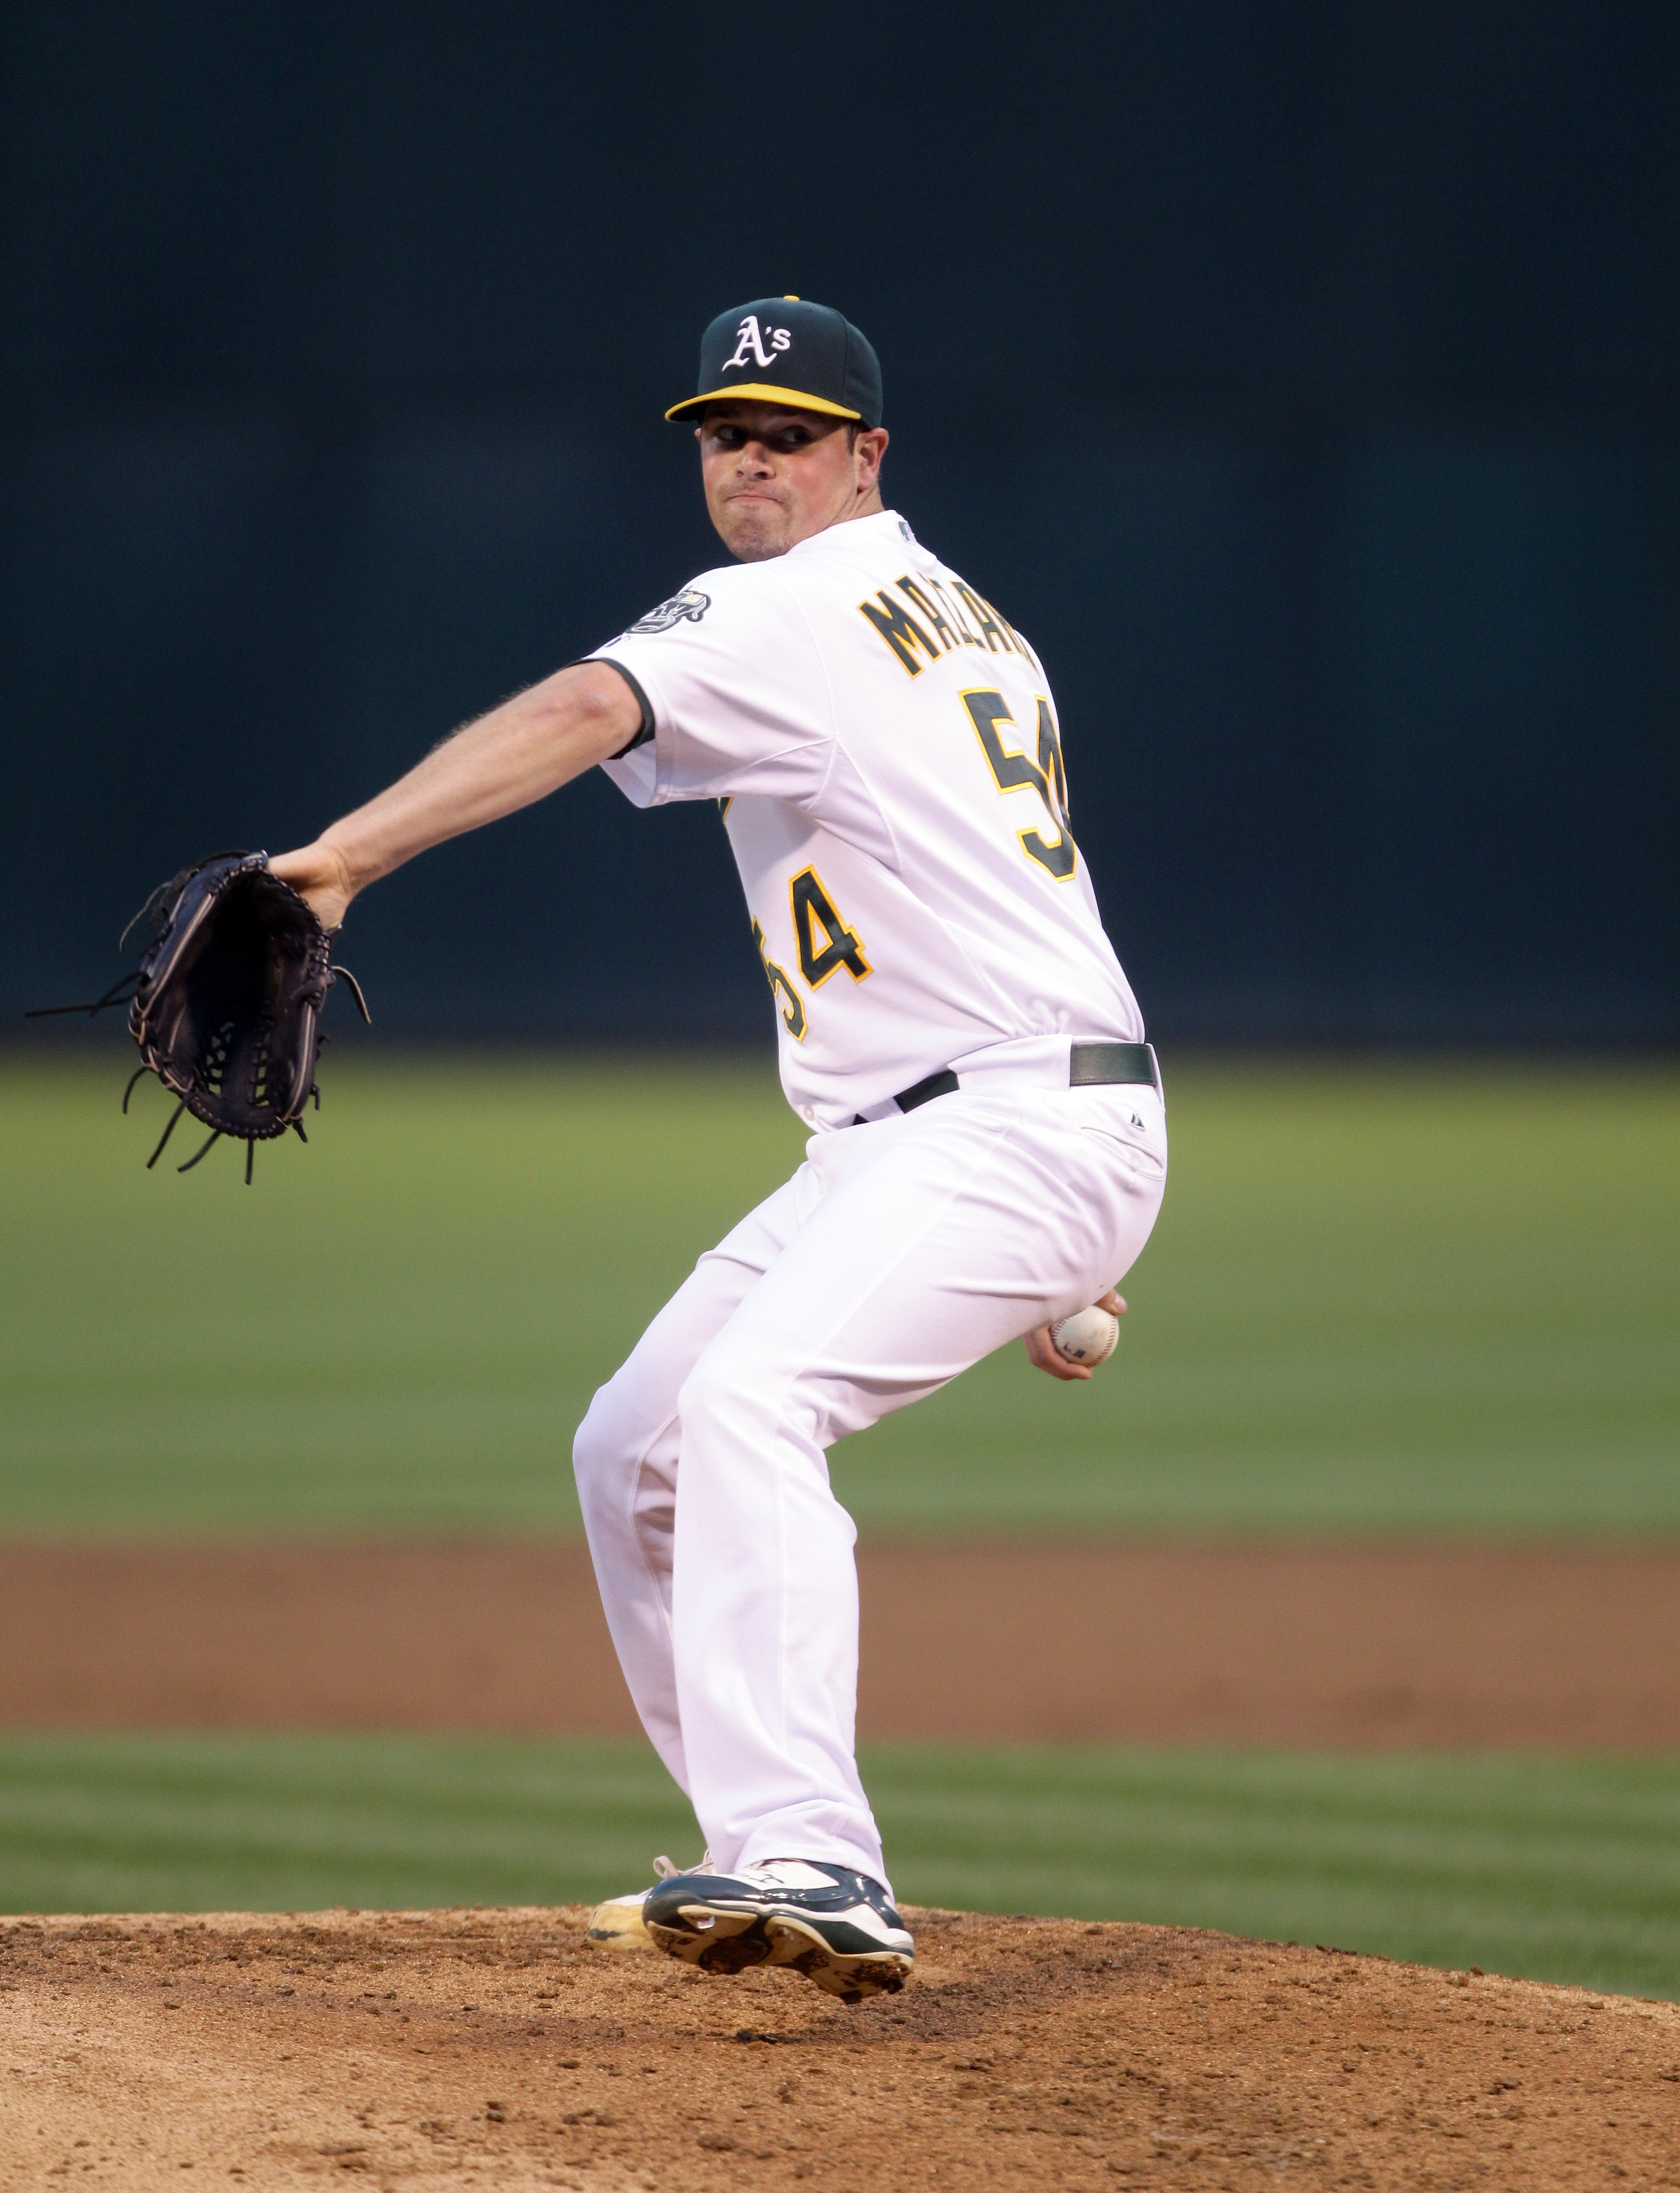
(1456,1647)
(418,2049)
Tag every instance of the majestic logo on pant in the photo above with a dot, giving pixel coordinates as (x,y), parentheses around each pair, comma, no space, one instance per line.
(750,340)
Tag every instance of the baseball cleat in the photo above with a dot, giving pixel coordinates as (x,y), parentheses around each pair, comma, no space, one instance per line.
(832,1924)
(617,1923)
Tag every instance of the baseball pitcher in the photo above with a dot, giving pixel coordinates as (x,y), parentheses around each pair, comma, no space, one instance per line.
(987,1145)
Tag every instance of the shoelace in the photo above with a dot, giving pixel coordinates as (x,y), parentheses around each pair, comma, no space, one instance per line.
(665,1869)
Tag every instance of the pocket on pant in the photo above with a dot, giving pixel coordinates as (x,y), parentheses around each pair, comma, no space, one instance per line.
(1137,1156)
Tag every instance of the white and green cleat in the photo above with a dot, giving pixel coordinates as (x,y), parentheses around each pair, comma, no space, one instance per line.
(617,1923)
(832,1924)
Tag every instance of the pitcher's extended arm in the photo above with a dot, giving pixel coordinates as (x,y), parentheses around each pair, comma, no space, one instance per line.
(519,752)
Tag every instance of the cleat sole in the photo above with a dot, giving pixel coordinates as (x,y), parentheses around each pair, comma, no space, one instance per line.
(729,1942)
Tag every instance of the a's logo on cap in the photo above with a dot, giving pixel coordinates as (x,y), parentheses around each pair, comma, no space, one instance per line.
(750,340)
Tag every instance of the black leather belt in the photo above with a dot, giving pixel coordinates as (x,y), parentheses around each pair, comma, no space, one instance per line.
(1091,1063)
(1089,1066)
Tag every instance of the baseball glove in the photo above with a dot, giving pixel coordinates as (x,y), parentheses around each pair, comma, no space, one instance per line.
(225,1004)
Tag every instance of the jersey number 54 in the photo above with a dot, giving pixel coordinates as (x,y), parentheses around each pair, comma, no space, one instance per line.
(1016,771)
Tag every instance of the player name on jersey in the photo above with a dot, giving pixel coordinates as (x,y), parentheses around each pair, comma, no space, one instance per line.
(938,630)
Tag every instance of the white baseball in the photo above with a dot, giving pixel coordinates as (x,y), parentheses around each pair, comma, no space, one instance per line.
(1088,1337)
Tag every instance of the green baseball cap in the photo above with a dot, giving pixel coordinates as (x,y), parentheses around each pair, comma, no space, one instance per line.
(785,349)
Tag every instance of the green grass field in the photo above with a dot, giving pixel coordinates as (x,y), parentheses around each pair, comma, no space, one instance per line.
(1549,1869)
(1418,1297)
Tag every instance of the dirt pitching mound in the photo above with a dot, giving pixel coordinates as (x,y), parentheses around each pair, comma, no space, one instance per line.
(420,2049)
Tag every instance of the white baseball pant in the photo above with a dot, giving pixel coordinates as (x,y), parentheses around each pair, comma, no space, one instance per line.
(899,1253)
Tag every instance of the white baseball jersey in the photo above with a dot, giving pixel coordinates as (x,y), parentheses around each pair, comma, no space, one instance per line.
(888,752)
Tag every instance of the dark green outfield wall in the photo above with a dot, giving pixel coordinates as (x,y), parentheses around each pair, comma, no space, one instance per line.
(1301,378)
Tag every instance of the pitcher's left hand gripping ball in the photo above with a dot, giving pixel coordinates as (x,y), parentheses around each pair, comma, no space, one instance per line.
(1089,1336)
(1074,1346)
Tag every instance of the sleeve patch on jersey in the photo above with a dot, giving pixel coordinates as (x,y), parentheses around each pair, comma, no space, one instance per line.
(688,607)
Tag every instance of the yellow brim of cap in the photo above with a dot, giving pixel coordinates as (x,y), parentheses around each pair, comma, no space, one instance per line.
(762,391)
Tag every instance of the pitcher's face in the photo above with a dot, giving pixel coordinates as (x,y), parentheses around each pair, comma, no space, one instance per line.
(774,476)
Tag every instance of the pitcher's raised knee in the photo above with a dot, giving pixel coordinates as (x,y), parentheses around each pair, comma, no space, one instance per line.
(604,1450)
(721,1395)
